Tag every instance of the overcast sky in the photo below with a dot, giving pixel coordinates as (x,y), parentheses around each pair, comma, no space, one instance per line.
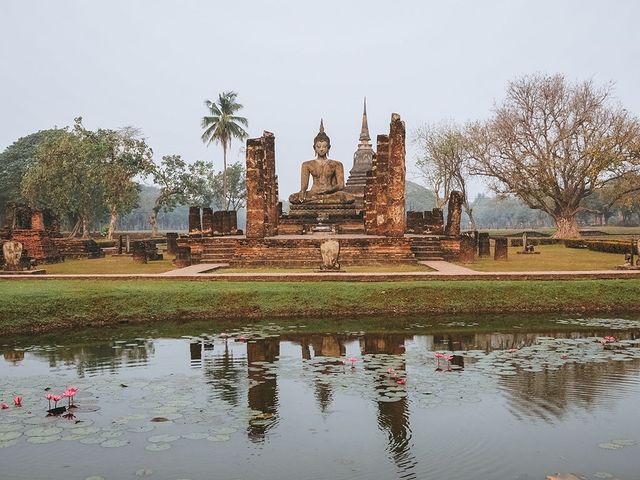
(152,63)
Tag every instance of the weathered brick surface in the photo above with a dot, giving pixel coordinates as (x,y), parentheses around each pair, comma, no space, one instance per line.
(467,249)
(207,221)
(195,223)
(430,223)
(396,179)
(302,251)
(484,249)
(385,188)
(78,248)
(500,248)
(454,214)
(262,187)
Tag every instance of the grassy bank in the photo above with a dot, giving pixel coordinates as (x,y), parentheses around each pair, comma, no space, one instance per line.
(36,306)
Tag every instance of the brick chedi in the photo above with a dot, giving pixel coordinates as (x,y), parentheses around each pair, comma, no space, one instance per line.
(385,191)
(262,187)
(362,163)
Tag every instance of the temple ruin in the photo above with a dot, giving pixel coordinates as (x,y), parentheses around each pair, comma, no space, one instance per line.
(366,214)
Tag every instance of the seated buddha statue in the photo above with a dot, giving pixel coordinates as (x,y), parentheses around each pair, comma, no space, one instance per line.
(327,174)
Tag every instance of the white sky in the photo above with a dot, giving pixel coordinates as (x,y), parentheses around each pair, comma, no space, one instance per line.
(152,63)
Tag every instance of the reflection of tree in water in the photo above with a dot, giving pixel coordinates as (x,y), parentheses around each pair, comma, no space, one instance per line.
(549,395)
(393,417)
(224,374)
(263,388)
(98,358)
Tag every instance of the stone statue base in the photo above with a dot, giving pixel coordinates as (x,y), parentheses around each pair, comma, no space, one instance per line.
(335,198)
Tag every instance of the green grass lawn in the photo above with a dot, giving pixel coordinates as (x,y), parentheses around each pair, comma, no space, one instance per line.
(551,257)
(108,264)
(30,305)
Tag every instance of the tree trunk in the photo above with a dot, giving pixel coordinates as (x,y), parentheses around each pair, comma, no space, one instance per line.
(112,223)
(469,211)
(567,227)
(85,228)
(224,176)
(76,228)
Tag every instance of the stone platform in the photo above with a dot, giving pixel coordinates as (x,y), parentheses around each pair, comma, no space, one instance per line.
(304,250)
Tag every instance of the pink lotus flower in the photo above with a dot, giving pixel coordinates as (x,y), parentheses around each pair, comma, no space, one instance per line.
(401,381)
(391,372)
(512,350)
(353,360)
(49,397)
(56,399)
(241,338)
(224,335)
(4,406)
(448,358)
(17,401)
(564,356)
(70,393)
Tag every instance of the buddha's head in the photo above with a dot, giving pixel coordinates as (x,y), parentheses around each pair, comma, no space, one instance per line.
(322,143)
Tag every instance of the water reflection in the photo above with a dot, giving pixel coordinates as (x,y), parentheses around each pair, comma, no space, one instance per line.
(251,375)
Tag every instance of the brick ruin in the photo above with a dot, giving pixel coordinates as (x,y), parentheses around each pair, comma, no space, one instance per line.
(35,230)
(373,230)
(39,233)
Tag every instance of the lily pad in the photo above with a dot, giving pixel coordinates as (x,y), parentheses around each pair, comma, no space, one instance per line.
(48,439)
(43,432)
(114,443)
(8,436)
(166,438)
(157,447)
(610,446)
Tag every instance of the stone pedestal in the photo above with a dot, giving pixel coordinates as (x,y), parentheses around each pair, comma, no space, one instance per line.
(120,245)
(172,243)
(183,257)
(484,249)
(467,249)
(501,248)
(139,250)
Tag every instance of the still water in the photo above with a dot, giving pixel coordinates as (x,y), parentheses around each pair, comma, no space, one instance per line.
(507,399)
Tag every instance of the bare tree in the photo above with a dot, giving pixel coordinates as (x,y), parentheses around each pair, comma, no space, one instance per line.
(553,143)
(443,162)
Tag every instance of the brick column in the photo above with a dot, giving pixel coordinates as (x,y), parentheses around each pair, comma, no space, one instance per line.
(454,215)
(195,224)
(255,189)
(396,178)
(207,221)
(270,184)
(501,249)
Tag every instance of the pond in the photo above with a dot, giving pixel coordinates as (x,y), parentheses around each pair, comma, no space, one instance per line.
(456,398)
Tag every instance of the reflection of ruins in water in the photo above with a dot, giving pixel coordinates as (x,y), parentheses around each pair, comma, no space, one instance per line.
(263,388)
(92,358)
(393,417)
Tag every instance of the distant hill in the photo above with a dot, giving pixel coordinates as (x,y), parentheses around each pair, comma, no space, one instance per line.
(418,198)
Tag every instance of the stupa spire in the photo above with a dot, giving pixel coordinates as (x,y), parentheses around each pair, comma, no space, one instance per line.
(364,131)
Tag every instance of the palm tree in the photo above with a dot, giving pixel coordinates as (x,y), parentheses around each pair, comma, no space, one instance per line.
(223,125)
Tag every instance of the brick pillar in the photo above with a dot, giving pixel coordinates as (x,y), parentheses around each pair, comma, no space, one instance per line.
(270,184)
(207,222)
(37,220)
(255,188)
(183,257)
(501,249)
(483,244)
(217,222)
(195,225)
(454,214)
(396,178)
(467,249)
(376,198)
(172,242)
(139,252)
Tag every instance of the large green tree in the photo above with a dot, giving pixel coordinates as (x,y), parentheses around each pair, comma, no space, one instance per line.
(66,177)
(553,143)
(15,160)
(222,125)
(85,175)
(127,156)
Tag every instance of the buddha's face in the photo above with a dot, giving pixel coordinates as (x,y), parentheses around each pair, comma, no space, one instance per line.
(322,148)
